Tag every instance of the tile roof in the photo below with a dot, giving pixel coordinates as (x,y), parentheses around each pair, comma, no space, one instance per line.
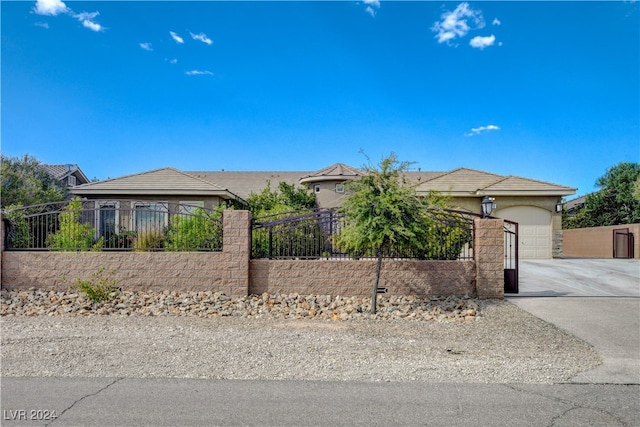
(245,183)
(57,171)
(62,171)
(465,181)
(166,181)
(338,170)
(229,184)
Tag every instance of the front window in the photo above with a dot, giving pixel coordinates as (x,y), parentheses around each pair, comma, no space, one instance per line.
(191,207)
(150,217)
(107,220)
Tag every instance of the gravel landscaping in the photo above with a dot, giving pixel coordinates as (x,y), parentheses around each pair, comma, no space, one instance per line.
(208,335)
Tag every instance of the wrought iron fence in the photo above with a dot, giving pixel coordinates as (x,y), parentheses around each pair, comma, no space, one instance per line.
(510,256)
(311,235)
(113,225)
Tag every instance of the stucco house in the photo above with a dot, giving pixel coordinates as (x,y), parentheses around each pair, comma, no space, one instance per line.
(69,175)
(534,205)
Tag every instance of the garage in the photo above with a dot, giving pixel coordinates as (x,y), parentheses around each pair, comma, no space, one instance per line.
(534,230)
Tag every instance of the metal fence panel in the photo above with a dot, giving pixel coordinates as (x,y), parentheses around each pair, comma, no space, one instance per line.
(310,235)
(113,225)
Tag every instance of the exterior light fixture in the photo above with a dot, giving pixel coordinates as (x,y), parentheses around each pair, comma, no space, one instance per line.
(559,207)
(488,206)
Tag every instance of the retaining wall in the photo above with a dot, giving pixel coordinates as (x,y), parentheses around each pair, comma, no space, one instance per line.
(355,278)
(234,273)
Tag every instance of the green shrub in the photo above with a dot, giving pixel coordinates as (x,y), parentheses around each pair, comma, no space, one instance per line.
(19,233)
(199,231)
(149,240)
(73,235)
(100,287)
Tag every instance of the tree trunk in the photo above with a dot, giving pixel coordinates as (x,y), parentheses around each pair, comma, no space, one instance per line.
(374,297)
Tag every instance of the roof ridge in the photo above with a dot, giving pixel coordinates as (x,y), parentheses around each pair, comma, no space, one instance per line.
(539,181)
(88,184)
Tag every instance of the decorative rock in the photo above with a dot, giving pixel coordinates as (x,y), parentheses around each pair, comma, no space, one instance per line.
(215,304)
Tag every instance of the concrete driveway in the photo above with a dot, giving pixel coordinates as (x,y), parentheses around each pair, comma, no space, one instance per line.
(596,300)
(580,277)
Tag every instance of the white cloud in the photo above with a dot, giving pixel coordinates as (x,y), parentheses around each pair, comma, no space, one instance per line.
(372,6)
(482,42)
(56,7)
(87,20)
(496,21)
(198,73)
(475,131)
(176,37)
(50,7)
(201,37)
(42,25)
(456,24)
(146,46)
(172,61)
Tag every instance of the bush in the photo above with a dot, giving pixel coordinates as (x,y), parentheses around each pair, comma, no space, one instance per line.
(100,287)
(149,240)
(199,231)
(73,235)
(125,239)
(19,232)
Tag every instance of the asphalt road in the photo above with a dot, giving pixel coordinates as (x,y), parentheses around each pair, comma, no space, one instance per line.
(194,402)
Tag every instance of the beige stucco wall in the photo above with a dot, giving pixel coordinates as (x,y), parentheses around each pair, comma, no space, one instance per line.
(327,197)
(596,242)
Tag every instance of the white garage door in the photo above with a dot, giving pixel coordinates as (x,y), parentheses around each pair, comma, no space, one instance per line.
(534,230)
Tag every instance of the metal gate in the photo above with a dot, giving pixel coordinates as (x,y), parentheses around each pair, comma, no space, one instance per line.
(622,243)
(510,257)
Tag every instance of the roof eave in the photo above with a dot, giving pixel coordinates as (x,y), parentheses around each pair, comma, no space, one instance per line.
(310,179)
(558,192)
(121,192)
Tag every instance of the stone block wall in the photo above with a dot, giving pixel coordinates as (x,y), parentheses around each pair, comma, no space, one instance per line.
(489,254)
(234,273)
(226,271)
(356,277)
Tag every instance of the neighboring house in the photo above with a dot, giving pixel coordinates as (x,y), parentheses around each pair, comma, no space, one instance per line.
(574,205)
(69,175)
(534,205)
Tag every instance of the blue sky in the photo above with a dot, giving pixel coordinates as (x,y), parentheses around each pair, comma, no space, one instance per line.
(544,90)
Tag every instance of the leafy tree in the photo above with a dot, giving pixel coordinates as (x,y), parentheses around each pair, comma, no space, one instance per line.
(25,181)
(383,213)
(636,190)
(283,199)
(614,203)
(19,232)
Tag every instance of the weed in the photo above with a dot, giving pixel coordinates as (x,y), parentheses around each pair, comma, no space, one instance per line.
(101,287)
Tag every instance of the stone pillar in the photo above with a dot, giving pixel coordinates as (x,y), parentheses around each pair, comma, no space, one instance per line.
(488,249)
(1,245)
(236,246)
(557,250)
